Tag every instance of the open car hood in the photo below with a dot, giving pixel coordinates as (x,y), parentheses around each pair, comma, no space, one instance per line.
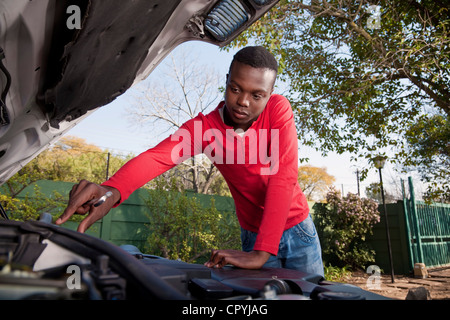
(62,59)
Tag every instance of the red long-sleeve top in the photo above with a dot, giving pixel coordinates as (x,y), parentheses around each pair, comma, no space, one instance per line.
(260,167)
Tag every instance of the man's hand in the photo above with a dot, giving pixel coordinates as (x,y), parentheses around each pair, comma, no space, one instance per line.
(240,259)
(80,202)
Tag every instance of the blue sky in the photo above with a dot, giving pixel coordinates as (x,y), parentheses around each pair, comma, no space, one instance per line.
(109,128)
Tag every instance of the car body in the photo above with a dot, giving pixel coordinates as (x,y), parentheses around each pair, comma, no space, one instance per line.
(60,61)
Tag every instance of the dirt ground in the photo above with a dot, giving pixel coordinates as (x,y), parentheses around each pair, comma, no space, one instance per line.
(434,287)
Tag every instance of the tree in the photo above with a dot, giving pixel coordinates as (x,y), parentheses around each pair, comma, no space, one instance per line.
(357,86)
(373,191)
(183,90)
(429,141)
(70,159)
(314,181)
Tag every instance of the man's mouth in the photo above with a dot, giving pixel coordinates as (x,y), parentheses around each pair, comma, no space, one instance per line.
(239,114)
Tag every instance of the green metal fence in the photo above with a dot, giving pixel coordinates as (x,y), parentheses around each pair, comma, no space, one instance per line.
(398,236)
(428,229)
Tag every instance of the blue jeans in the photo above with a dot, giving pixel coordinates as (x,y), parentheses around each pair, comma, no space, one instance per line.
(299,248)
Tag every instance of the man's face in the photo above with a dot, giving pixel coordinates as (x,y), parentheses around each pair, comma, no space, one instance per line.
(247,92)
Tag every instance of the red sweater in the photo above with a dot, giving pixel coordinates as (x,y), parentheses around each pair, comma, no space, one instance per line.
(260,167)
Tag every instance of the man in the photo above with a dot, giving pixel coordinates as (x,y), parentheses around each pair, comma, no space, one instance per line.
(252,140)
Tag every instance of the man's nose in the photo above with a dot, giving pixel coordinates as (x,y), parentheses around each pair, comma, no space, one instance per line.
(244,100)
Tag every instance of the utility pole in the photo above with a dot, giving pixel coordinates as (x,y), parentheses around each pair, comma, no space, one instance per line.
(107,166)
(357,181)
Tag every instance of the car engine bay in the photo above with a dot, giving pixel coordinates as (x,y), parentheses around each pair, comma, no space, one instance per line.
(42,261)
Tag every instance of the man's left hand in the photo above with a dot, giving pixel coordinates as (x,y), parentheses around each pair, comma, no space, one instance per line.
(241,259)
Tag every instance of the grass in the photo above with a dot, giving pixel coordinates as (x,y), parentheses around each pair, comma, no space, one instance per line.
(337,274)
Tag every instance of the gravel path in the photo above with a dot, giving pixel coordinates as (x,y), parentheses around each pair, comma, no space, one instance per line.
(435,287)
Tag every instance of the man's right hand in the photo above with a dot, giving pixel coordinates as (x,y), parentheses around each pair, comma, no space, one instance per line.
(79,203)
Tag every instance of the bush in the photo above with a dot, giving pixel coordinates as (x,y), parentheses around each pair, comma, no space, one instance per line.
(181,228)
(343,224)
(31,206)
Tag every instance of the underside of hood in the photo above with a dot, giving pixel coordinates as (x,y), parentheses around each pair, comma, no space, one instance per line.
(62,59)
(102,60)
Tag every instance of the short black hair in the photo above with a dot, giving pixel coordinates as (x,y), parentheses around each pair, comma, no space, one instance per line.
(256,57)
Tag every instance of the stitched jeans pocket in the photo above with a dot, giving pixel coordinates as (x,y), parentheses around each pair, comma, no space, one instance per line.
(306,230)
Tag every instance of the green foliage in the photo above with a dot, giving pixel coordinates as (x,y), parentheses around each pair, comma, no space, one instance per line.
(32,206)
(343,224)
(337,274)
(181,228)
(373,191)
(429,141)
(359,89)
(70,159)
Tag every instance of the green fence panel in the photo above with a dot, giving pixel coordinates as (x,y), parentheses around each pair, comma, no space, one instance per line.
(433,224)
(428,231)
(399,244)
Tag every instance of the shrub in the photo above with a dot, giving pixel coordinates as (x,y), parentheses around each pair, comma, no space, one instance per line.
(181,228)
(32,205)
(343,224)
